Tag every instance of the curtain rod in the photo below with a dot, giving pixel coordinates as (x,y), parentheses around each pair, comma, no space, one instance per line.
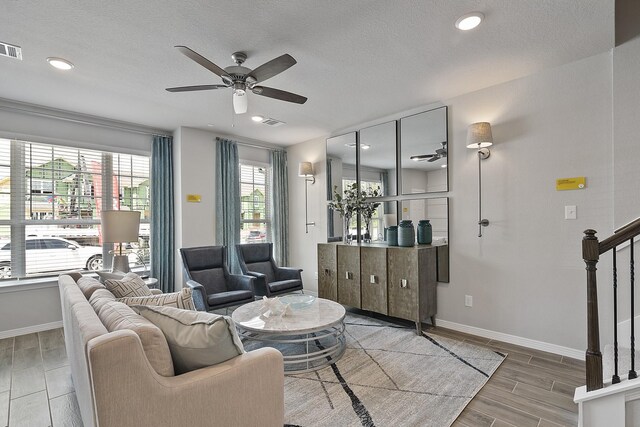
(246,144)
(80,121)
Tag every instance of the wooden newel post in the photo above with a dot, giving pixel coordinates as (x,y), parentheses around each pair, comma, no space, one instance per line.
(591,254)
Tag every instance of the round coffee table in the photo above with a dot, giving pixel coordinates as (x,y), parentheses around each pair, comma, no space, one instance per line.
(309,338)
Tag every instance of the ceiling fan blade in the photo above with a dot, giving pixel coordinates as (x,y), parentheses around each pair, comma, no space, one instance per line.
(203,61)
(194,88)
(272,68)
(434,158)
(422,157)
(279,94)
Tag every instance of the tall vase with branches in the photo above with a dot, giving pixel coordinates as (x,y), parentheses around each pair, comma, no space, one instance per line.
(368,209)
(347,203)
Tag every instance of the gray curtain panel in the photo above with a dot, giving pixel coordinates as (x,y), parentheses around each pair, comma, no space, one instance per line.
(162,226)
(228,199)
(280,207)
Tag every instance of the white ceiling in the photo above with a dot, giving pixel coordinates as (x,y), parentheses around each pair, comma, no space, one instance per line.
(358,60)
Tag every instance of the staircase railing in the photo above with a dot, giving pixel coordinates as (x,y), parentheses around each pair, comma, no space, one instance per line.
(591,251)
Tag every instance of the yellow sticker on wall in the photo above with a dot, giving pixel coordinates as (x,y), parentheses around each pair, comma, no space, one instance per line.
(194,198)
(576,183)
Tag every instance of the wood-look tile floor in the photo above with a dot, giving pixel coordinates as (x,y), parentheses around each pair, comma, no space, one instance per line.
(35,382)
(530,388)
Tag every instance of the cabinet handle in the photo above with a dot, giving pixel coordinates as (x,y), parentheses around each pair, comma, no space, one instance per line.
(373,279)
(327,272)
(348,275)
(404,283)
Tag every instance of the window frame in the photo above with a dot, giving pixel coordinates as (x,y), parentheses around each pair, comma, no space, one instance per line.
(22,192)
(268,220)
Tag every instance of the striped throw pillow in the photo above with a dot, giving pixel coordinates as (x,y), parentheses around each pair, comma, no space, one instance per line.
(182,299)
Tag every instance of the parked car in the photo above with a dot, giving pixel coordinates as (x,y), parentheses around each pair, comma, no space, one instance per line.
(256,236)
(49,254)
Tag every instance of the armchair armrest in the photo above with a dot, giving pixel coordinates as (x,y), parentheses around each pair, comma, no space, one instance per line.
(239,282)
(259,283)
(199,295)
(288,273)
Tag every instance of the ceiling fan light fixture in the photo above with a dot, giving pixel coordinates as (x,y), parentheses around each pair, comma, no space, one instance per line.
(239,102)
(469,21)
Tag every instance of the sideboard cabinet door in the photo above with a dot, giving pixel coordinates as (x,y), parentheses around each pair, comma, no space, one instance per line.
(349,275)
(373,271)
(327,272)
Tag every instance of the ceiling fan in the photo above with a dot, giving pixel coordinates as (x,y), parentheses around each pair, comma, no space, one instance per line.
(242,79)
(439,154)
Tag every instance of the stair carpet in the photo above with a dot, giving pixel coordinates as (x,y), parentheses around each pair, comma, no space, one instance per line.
(624,361)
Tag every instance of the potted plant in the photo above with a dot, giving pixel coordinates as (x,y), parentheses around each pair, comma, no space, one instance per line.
(346,204)
(367,209)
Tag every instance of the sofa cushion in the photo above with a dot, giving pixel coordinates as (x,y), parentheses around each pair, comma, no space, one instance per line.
(100,298)
(196,339)
(117,316)
(228,297)
(131,285)
(88,285)
(182,299)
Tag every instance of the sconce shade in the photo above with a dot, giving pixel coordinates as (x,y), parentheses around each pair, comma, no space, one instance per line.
(120,226)
(305,169)
(389,220)
(479,135)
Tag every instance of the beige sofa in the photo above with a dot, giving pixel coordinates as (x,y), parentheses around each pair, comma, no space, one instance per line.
(116,386)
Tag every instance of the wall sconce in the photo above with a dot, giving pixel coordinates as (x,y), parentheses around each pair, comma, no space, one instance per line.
(479,138)
(305,169)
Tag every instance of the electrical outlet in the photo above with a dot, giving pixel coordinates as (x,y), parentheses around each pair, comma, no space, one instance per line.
(468,301)
(316,275)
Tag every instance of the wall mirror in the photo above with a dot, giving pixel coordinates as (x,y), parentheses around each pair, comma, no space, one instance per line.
(378,159)
(436,210)
(423,152)
(341,167)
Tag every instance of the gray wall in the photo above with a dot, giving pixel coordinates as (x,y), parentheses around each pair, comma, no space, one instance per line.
(525,274)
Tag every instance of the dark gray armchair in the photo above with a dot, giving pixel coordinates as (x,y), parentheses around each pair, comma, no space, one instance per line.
(208,276)
(256,259)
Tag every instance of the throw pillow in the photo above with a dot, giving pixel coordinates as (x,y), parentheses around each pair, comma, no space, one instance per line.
(182,299)
(116,317)
(131,285)
(196,339)
(88,285)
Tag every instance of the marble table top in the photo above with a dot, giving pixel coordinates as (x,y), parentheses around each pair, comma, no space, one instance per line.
(320,315)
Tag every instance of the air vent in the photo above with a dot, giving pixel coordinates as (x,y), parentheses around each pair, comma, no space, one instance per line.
(272,122)
(11,51)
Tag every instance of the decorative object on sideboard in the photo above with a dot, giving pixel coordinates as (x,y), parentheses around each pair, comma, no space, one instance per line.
(479,137)
(387,221)
(425,233)
(392,235)
(120,227)
(347,205)
(368,209)
(305,170)
(406,233)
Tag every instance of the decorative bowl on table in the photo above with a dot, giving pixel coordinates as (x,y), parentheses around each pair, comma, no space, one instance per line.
(298,301)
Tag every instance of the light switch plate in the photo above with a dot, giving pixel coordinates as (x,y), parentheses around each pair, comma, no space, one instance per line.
(570,212)
(468,301)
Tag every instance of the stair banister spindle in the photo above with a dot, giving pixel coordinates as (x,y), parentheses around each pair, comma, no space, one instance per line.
(616,378)
(591,255)
(632,371)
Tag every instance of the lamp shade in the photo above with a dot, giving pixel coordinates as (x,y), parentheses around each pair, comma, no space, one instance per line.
(479,135)
(120,226)
(239,102)
(305,169)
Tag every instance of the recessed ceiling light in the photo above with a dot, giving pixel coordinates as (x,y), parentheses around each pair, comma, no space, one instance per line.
(257,118)
(443,166)
(469,21)
(59,63)
(365,146)
(211,124)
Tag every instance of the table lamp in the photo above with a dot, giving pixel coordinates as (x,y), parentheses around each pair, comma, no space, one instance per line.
(120,227)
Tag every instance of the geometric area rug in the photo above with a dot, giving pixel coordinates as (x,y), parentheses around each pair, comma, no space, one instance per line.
(389,376)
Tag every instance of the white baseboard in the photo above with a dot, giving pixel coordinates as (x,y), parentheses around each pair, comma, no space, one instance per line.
(513,339)
(30,329)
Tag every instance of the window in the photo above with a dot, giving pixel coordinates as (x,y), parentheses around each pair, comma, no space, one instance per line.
(50,202)
(255,196)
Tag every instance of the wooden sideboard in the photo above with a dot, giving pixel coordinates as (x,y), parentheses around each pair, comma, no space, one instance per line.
(390,280)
